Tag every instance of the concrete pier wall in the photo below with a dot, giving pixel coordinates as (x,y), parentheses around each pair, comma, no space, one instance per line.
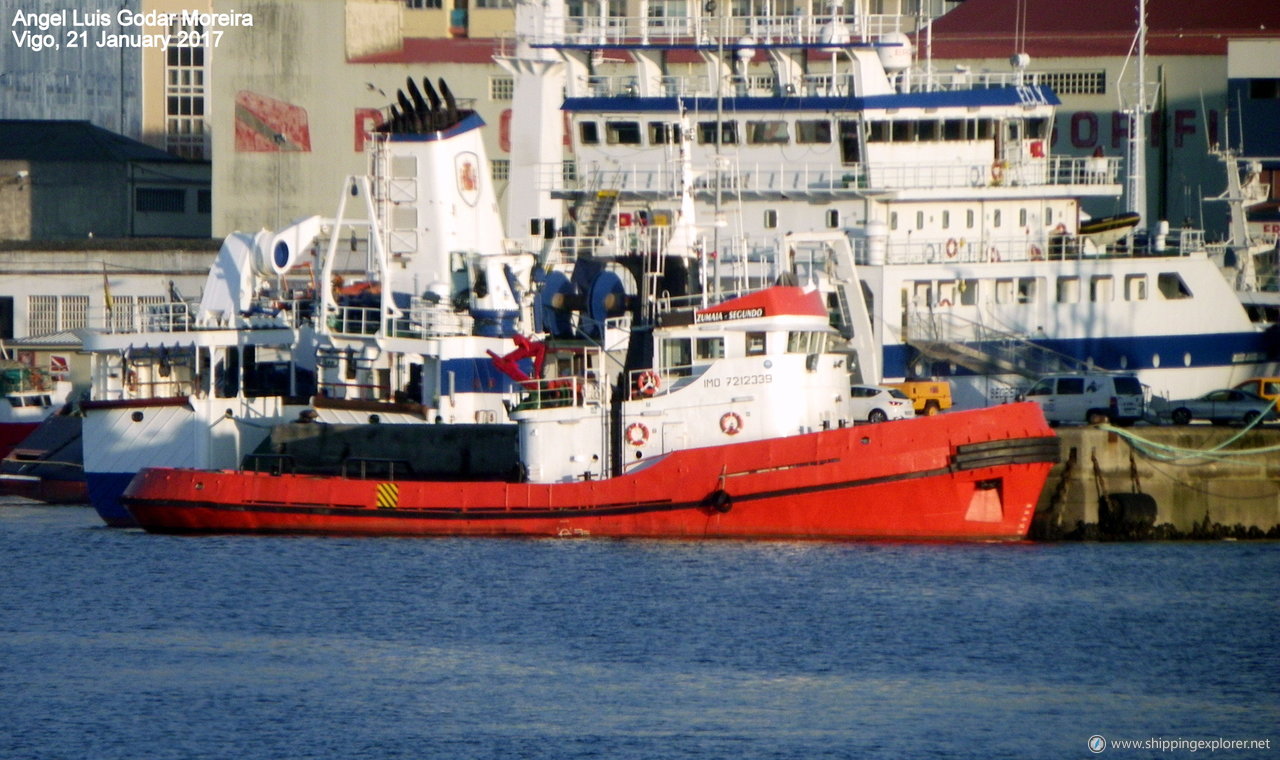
(1194,497)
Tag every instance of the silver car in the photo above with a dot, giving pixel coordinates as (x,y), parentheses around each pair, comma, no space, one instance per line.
(875,404)
(1221,407)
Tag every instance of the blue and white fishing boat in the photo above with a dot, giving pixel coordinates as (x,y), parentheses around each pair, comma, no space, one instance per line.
(972,247)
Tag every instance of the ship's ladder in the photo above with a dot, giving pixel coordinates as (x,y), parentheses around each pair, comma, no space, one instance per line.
(980,348)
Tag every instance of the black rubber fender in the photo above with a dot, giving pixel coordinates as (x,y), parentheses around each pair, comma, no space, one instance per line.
(719,500)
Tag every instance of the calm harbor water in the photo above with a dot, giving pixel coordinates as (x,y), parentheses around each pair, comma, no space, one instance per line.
(120,644)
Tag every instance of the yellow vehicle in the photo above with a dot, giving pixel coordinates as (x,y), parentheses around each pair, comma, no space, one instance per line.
(1266,387)
(927,396)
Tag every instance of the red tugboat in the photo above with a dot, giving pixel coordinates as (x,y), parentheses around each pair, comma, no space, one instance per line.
(730,420)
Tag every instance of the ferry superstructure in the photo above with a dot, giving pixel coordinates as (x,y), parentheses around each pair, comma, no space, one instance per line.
(976,256)
(383,313)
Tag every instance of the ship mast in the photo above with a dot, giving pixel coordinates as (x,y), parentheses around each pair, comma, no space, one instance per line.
(1139,108)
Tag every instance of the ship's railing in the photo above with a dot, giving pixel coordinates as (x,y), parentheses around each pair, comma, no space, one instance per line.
(559,393)
(769,177)
(708,32)
(1047,245)
(815,84)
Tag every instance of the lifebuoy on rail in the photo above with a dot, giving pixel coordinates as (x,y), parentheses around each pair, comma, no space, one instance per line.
(647,383)
(730,423)
(1035,253)
(953,247)
(997,173)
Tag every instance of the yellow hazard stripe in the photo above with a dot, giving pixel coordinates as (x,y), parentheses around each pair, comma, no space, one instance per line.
(388,495)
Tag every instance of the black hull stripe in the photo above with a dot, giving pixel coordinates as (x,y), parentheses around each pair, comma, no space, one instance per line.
(1013,457)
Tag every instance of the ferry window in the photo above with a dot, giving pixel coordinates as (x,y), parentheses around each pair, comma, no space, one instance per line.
(1048,217)
(923,293)
(1068,290)
(662,133)
(1135,287)
(879,131)
(622,132)
(995,218)
(927,131)
(969,292)
(968,219)
(986,129)
(1101,288)
(893,220)
(770,218)
(1171,285)
(589,133)
(1022,217)
(919,220)
(1028,289)
(1004,291)
(728,133)
(1037,129)
(903,131)
(946,220)
(767,133)
(755,343)
(815,131)
(953,129)
(676,356)
(833,218)
(710,348)
(850,149)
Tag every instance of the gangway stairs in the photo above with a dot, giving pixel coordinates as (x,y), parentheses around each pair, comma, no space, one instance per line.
(981,349)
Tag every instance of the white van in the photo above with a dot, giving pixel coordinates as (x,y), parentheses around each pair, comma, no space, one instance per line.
(1092,397)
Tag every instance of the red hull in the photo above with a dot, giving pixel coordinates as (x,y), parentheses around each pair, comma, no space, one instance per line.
(14,433)
(967,475)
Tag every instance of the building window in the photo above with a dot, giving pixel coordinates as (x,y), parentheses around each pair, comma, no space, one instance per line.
(1075,82)
(422,4)
(770,218)
(204,201)
(185,129)
(495,3)
(501,88)
(121,314)
(833,218)
(500,169)
(75,312)
(156,200)
(42,315)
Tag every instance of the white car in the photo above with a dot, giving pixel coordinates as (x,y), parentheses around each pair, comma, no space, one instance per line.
(875,404)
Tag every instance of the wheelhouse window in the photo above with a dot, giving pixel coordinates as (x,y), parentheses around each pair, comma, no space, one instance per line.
(1172,286)
(755,343)
(710,348)
(589,133)
(676,356)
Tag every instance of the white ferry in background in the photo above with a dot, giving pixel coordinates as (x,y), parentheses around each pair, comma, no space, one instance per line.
(362,317)
(31,394)
(974,253)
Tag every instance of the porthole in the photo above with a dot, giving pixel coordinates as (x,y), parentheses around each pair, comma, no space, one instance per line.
(1186,359)
(1155,360)
(136,416)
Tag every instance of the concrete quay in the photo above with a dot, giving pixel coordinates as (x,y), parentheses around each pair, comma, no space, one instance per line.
(1229,493)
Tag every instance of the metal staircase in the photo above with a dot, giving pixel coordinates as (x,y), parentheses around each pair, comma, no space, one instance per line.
(982,349)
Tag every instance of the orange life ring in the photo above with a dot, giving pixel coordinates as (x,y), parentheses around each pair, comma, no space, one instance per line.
(1036,253)
(648,382)
(637,434)
(944,303)
(730,423)
(952,248)
(997,173)
(1061,229)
